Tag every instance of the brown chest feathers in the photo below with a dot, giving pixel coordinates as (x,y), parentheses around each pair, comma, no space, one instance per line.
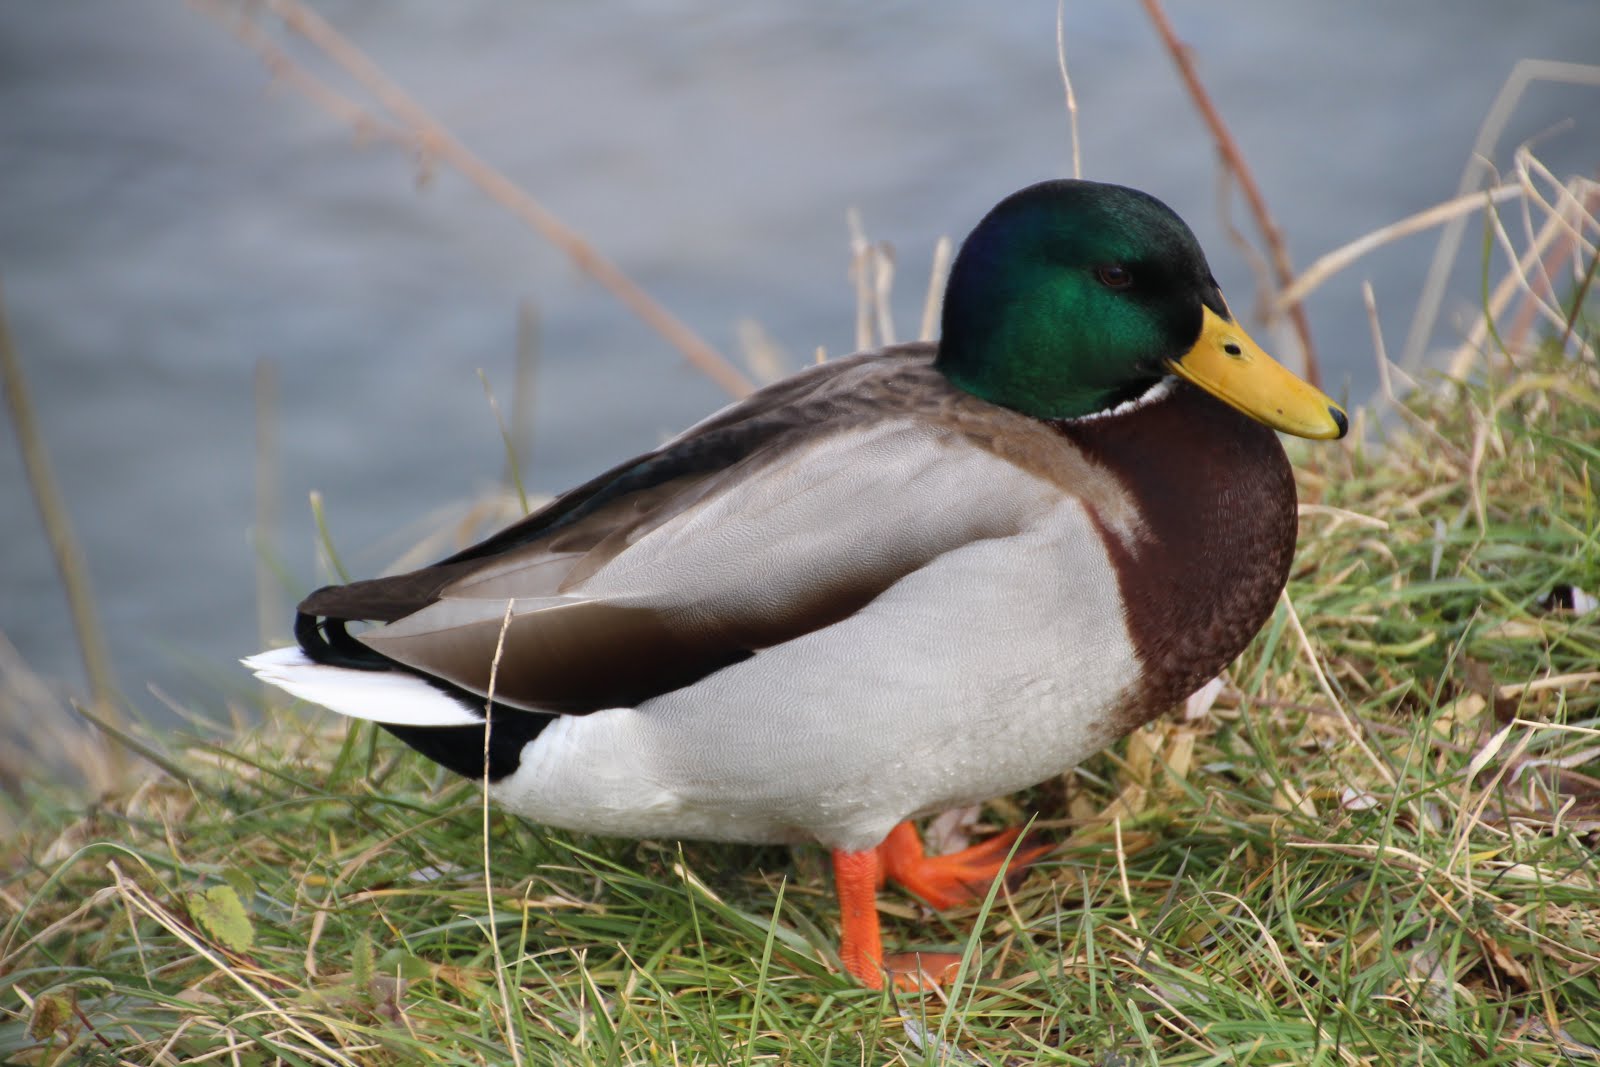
(1203,573)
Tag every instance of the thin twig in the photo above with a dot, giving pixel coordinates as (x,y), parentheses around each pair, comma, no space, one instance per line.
(513,468)
(1578,299)
(1526,166)
(1327,690)
(367,126)
(1277,251)
(70,563)
(861,254)
(84,1019)
(1386,385)
(324,537)
(269,611)
(763,357)
(1330,263)
(1583,209)
(433,142)
(933,303)
(1260,269)
(1514,281)
(1479,163)
(882,288)
(1066,83)
(1530,271)
(488,867)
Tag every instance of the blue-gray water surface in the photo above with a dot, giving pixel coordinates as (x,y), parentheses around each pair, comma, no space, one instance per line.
(170,217)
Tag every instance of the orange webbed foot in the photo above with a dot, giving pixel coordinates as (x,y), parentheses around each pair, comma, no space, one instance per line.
(960,877)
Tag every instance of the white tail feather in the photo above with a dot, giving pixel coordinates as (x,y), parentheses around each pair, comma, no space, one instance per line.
(393,697)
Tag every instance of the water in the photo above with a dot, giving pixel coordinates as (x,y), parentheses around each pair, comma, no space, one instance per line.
(169,217)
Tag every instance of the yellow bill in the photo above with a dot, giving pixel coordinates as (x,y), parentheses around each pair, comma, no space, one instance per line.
(1231,367)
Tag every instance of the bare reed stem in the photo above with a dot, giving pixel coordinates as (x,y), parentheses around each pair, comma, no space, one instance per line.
(1277,251)
(1066,84)
(63,542)
(433,142)
(269,612)
(1479,164)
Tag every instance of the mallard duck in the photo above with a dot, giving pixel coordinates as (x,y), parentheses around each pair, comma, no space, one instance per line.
(889,585)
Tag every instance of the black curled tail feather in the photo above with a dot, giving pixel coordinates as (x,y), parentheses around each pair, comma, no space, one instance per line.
(326,641)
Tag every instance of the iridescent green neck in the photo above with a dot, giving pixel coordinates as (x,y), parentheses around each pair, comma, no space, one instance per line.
(1050,357)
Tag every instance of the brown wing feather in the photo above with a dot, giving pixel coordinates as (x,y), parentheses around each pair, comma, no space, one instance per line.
(609,505)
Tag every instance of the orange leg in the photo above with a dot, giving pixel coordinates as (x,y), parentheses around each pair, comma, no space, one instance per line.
(945,881)
(856,877)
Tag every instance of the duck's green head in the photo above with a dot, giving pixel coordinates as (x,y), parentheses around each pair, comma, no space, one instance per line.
(1072,297)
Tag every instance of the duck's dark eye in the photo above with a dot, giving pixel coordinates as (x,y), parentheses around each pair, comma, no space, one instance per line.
(1114,276)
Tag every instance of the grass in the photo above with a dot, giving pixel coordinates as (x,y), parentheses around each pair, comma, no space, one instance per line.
(1378,847)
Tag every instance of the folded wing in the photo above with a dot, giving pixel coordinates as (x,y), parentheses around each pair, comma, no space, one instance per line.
(779,517)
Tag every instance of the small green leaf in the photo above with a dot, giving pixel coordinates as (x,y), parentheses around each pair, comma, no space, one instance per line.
(220,914)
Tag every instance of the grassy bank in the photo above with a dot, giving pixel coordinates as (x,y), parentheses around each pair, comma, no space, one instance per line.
(1377,847)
